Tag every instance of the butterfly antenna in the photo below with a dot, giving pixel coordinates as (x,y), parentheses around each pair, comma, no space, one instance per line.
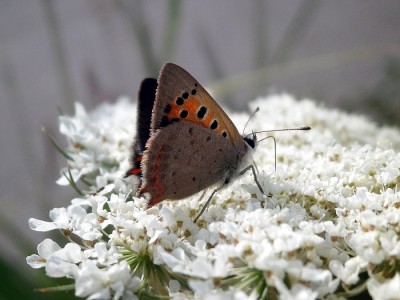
(285,129)
(251,116)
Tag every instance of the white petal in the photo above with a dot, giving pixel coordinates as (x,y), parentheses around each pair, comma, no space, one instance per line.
(386,290)
(57,267)
(39,225)
(35,261)
(89,280)
(47,248)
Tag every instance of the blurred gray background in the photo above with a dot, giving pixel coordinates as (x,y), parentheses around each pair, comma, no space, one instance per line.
(345,54)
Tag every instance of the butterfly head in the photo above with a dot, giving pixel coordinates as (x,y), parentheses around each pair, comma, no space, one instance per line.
(251,140)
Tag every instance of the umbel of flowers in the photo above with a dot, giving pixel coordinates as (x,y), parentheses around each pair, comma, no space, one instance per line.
(329,227)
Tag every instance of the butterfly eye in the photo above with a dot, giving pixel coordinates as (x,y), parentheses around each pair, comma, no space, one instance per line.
(250,142)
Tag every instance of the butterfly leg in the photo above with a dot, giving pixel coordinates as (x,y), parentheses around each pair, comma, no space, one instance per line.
(253,169)
(202,195)
(208,201)
(254,164)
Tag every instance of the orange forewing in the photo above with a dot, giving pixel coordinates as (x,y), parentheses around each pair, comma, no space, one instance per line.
(180,97)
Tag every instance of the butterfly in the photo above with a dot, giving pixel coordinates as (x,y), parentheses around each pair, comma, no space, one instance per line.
(185,142)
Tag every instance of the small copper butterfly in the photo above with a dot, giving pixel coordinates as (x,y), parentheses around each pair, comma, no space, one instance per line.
(185,142)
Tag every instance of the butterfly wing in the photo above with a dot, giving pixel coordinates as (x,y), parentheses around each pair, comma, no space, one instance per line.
(184,158)
(146,99)
(147,96)
(180,97)
(193,143)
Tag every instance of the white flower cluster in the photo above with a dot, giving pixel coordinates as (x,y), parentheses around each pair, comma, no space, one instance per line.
(328,226)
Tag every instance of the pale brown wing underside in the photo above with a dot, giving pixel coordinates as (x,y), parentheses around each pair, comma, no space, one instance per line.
(183,158)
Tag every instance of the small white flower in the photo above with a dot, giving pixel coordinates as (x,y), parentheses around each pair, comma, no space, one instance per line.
(199,267)
(348,272)
(296,292)
(386,290)
(104,255)
(390,242)
(202,288)
(60,221)
(308,273)
(367,246)
(285,239)
(107,283)
(335,230)
(63,262)
(45,250)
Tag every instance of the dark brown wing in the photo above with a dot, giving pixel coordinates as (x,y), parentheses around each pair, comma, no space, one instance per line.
(146,99)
